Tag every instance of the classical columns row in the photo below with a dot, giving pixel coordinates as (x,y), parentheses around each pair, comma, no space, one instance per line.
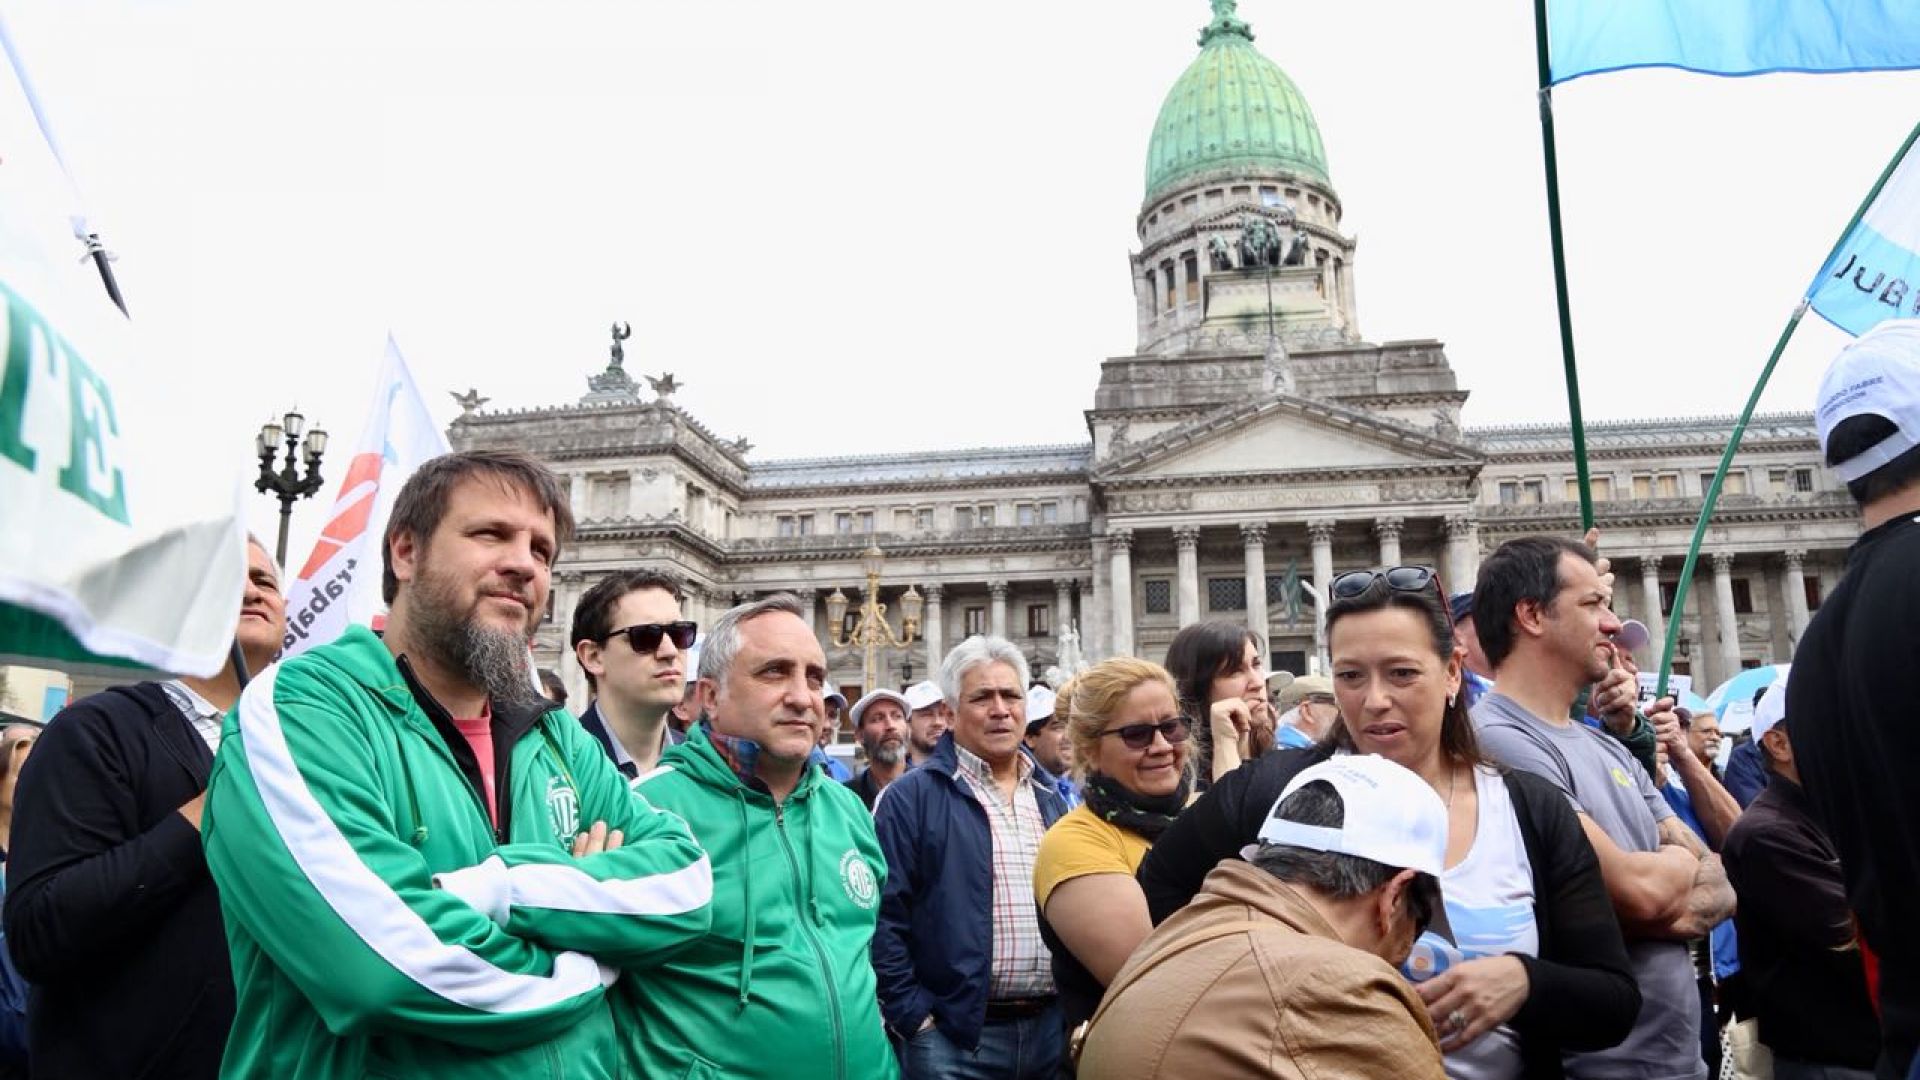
(1115,551)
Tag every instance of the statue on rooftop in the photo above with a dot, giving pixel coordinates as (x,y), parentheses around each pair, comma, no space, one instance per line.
(1220,253)
(621,332)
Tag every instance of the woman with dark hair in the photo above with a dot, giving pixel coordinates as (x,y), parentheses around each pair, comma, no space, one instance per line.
(1220,672)
(1529,961)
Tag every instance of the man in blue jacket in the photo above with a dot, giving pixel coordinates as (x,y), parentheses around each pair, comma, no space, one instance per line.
(966,984)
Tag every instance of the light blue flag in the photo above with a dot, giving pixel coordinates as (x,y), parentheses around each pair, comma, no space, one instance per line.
(1874,274)
(1732,37)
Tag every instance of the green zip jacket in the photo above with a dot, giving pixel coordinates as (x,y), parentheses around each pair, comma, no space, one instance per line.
(782,985)
(381,926)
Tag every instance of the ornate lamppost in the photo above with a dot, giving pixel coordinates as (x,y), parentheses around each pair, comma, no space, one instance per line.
(287,484)
(871,630)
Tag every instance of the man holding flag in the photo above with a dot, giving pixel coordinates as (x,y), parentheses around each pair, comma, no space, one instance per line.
(398,826)
(1856,674)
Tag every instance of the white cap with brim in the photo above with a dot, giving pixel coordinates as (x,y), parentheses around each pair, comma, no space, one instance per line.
(1878,374)
(830,693)
(860,707)
(1772,709)
(1040,706)
(922,694)
(1391,815)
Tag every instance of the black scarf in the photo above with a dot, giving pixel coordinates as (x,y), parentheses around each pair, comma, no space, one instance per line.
(1148,815)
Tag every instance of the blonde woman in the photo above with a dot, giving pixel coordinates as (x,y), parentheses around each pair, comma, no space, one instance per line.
(1130,753)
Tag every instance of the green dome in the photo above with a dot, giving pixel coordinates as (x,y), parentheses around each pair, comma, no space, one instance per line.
(1232,107)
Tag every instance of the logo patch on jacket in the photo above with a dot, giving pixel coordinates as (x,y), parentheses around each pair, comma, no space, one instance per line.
(563,810)
(862,887)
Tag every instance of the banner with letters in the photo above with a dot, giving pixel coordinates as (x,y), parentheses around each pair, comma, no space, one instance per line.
(1874,274)
(109,558)
(339,585)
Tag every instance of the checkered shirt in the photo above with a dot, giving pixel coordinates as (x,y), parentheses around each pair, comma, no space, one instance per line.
(206,718)
(1022,966)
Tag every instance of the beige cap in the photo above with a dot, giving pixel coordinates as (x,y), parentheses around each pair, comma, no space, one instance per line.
(1301,689)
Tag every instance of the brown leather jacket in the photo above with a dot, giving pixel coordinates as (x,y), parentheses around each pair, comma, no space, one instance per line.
(1249,980)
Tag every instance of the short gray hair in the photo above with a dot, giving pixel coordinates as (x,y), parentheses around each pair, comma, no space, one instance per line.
(723,637)
(972,653)
(1339,876)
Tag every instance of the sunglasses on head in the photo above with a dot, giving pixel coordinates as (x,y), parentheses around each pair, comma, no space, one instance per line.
(1411,579)
(1140,736)
(645,637)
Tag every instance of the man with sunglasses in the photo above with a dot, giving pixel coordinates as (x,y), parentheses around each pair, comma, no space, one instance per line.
(632,643)
(1285,964)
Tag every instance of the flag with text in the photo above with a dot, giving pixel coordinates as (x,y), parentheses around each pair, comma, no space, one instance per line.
(1874,274)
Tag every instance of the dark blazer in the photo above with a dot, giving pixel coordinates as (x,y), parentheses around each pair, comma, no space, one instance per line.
(933,947)
(111,914)
(1582,992)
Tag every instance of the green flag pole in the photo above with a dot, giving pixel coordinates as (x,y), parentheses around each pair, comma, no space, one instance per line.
(1753,401)
(1560,265)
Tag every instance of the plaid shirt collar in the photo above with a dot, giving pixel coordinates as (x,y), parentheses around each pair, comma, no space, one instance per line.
(741,755)
(975,768)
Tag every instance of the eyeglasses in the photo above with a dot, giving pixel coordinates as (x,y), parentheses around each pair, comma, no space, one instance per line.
(645,637)
(1140,736)
(1411,579)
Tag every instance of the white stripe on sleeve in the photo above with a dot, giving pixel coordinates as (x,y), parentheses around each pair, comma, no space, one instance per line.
(559,887)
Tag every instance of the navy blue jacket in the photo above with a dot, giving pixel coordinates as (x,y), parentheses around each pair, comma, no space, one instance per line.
(933,948)
(1746,776)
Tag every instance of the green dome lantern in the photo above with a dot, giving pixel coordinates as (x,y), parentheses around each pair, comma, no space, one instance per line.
(1232,108)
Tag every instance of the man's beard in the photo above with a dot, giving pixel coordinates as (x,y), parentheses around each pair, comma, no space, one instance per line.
(494,660)
(888,753)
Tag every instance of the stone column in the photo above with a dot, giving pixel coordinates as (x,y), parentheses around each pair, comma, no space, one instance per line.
(1062,605)
(1120,601)
(1096,629)
(1186,543)
(1650,602)
(1796,562)
(997,614)
(1321,534)
(934,630)
(809,603)
(1463,555)
(1254,536)
(636,493)
(570,585)
(1387,529)
(577,495)
(1729,626)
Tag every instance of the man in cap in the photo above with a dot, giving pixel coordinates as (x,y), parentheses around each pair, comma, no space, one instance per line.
(880,723)
(1306,711)
(1801,963)
(632,643)
(928,717)
(1047,744)
(835,703)
(1856,674)
(1286,964)
(1479,677)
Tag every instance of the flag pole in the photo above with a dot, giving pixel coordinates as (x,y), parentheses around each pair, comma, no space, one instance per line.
(1746,415)
(1575,422)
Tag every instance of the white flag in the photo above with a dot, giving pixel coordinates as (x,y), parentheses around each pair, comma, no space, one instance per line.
(1874,274)
(106,558)
(340,583)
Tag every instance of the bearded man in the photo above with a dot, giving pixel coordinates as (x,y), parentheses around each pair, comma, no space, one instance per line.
(395,825)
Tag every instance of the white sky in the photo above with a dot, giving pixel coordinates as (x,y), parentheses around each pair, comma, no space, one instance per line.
(857,226)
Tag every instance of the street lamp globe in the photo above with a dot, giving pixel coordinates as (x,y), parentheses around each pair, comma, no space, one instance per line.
(873,560)
(836,610)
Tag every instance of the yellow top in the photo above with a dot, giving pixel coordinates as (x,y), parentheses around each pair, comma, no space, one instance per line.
(1080,844)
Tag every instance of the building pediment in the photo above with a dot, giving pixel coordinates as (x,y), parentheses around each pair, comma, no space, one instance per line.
(1282,433)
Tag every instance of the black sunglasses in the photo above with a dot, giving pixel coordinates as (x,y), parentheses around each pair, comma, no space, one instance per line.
(1400,579)
(1140,736)
(645,637)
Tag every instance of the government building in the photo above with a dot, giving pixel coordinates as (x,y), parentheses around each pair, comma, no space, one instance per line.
(1254,444)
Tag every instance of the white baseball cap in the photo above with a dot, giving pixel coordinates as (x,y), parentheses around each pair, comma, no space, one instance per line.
(1878,374)
(883,694)
(922,694)
(1392,816)
(1771,710)
(1040,704)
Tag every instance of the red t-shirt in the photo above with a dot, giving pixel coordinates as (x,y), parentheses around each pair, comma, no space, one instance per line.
(479,735)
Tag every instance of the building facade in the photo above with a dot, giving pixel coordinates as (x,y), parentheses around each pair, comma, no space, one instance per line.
(1253,446)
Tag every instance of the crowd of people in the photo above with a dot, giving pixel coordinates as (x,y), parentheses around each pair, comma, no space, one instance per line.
(1466,849)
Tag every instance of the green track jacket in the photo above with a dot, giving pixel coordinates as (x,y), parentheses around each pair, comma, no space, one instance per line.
(782,985)
(378,924)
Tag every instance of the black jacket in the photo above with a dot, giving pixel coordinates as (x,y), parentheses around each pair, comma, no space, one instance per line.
(1582,992)
(111,914)
(1799,962)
